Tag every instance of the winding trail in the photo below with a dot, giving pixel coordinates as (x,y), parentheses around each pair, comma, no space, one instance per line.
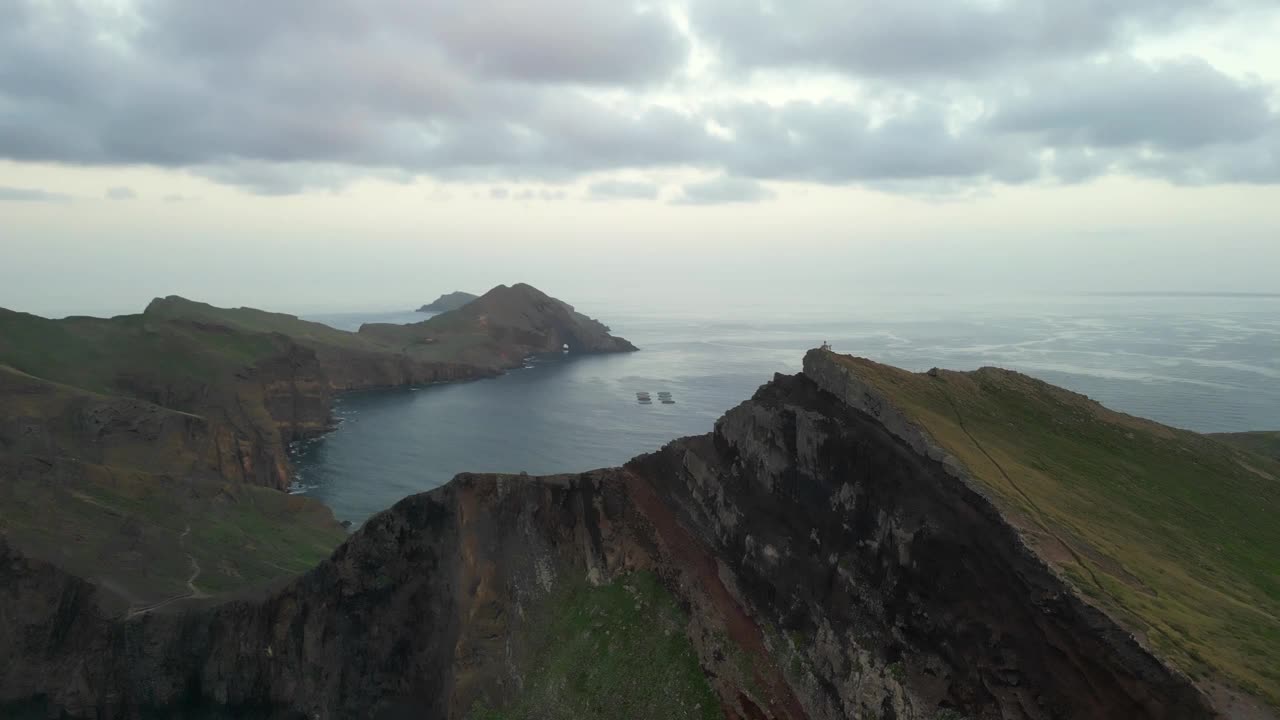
(192,592)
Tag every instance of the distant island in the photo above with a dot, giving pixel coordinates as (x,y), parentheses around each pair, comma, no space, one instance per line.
(448,301)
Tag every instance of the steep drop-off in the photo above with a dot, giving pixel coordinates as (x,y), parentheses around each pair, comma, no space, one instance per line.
(820,555)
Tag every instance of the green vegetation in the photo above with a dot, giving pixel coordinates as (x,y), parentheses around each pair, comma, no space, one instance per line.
(102,355)
(1266,444)
(257,321)
(614,651)
(139,534)
(134,506)
(1172,532)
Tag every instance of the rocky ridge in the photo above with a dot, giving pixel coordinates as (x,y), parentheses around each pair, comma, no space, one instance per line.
(831,558)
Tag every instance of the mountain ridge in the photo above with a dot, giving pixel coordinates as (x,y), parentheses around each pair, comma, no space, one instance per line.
(115,422)
(833,548)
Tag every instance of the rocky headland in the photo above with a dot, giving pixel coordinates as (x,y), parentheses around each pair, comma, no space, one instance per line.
(853,541)
(447,302)
(136,448)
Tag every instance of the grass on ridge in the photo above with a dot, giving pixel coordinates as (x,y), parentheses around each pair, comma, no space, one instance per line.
(617,651)
(137,533)
(1173,532)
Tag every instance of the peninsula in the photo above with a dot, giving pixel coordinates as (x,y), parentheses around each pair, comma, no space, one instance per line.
(853,541)
(148,453)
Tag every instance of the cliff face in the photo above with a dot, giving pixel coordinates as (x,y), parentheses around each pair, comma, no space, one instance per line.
(892,587)
(810,561)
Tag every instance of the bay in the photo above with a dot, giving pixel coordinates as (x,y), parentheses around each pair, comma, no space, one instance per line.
(1206,363)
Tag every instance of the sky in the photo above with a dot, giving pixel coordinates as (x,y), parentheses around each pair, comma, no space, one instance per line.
(326,155)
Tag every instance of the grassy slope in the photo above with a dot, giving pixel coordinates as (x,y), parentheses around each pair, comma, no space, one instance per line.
(614,651)
(259,321)
(1266,443)
(94,354)
(121,516)
(456,338)
(138,532)
(1173,532)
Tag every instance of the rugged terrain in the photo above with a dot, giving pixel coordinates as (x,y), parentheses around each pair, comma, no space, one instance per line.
(499,329)
(149,452)
(447,302)
(855,541)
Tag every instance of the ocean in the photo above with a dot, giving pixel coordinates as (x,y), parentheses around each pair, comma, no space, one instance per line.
(1205,363)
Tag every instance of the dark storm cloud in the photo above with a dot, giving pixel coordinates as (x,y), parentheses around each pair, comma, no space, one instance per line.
(723,190)
(15,194)
(294,95)
(622,190)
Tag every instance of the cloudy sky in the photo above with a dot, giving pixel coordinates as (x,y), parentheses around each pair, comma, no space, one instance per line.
(330,154)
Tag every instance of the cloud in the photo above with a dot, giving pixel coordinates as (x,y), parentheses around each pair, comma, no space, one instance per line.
(300,95)
(723,190)
(622,190)
(1174,105)
(939,38)
(838,143)
(263,96)
(1149,119)
(121,193)
(13,194)
(499,193)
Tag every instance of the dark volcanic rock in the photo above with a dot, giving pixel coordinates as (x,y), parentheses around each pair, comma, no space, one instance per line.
(830,569)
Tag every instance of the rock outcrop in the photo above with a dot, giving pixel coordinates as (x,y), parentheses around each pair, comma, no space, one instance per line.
(447,302)
(830,564)
(501,328)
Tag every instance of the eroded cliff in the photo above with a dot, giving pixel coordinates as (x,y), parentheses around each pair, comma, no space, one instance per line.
(806,560)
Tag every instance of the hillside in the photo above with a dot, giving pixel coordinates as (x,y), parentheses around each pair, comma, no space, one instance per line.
(137,449)
(854,541)
(500,329)
(310,333)
(131,496)
(447,302)
(1265,443)
(1171,532)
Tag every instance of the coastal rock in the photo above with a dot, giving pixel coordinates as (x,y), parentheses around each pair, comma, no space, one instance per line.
(447,302)
(831,564)
(501,328)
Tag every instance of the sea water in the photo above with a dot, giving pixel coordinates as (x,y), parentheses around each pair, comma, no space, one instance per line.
(1206,363)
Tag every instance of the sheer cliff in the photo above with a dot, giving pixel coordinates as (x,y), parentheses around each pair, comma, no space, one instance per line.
(824,553)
